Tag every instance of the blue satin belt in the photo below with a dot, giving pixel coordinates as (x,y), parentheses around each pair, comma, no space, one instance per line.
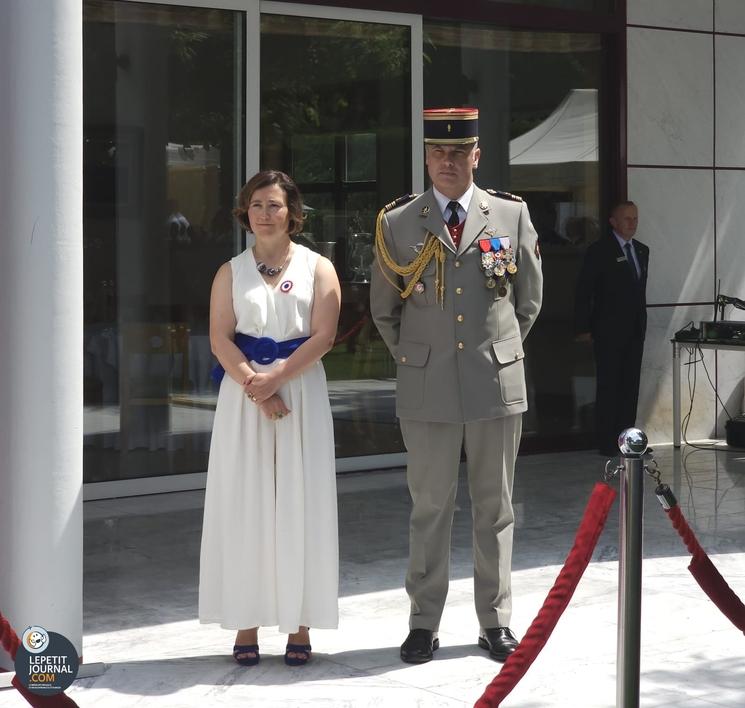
(262,350)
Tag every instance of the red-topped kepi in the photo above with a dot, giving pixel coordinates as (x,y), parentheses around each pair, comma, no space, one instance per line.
(451,126)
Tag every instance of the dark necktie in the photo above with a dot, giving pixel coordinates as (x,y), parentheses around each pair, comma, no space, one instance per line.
(454,219)
(630,259)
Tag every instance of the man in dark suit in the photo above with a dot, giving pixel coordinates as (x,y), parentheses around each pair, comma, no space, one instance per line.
(610,312)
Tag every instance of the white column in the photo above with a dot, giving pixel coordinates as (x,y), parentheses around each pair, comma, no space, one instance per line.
(41,316)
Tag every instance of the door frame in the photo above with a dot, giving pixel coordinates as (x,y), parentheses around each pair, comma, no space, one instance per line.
(253,93)
(253,9)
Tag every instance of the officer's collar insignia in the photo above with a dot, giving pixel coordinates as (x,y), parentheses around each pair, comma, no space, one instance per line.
(424,212)
(483,206)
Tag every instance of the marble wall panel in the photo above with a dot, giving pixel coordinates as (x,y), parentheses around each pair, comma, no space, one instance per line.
(729,15)
(681,14)
(730,263)
(655,410)
(670,98)
(730,386)
(676,221)
(671,111)
(730,101)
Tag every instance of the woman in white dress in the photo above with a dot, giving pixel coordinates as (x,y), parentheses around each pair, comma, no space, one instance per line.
(269,552)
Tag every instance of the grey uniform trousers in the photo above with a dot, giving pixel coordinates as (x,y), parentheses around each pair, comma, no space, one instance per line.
(432,475)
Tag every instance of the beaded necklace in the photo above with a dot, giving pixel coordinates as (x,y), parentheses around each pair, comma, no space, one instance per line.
(270,272)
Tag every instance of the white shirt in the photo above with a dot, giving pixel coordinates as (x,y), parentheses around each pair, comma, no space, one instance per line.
(463,202)
(622,243)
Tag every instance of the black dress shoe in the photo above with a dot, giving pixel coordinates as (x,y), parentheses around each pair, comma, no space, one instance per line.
(500,641)
(419,646)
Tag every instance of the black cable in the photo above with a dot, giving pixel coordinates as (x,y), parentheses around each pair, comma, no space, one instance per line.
(712,447)
(689,479)
(714,388)
(691,391)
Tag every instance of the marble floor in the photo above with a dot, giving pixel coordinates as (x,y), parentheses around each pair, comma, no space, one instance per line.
(141,557)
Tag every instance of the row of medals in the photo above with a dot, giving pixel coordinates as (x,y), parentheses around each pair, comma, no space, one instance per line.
(497,265)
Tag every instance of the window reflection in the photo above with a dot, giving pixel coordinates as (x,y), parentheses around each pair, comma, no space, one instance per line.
(340,124)
(163,157)
(538,97)
(162,161)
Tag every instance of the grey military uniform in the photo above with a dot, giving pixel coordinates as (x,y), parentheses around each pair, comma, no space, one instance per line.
(460,379)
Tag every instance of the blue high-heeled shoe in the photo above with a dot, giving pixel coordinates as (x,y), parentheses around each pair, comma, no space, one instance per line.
(303,650)
(246,649)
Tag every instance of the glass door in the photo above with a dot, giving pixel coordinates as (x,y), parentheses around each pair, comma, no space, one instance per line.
(163,159)
(337,93)
(183,101)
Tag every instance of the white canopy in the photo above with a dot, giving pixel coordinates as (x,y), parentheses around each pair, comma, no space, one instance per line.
(569,134)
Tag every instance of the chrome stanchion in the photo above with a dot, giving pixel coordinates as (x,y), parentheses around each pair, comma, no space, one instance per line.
(633,444)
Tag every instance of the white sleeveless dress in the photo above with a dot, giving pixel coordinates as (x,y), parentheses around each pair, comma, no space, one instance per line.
(269,552)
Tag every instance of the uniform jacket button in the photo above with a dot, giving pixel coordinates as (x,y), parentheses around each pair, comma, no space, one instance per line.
(458,291)
(403,359)
(461,345)
(459,318)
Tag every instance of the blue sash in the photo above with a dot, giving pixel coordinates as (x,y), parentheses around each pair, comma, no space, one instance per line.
(262,350)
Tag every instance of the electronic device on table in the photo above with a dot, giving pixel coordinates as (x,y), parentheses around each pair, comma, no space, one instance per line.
(718,330)
(721,331)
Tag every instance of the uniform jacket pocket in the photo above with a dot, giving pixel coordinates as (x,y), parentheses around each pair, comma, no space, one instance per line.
(508,350)
(509,355)
(411,358)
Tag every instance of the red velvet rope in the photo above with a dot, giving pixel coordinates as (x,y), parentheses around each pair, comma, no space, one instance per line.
(593,521)
(59,700)
(681,526)
(10,642)
(706,575)
(8,637)
(352,330)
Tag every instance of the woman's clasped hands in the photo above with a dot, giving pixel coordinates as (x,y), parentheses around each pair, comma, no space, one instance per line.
(261,388)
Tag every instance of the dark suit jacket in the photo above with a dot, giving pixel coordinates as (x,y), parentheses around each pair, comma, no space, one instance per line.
(610,303)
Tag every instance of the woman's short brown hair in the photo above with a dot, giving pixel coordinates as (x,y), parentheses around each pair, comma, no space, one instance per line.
(266,178)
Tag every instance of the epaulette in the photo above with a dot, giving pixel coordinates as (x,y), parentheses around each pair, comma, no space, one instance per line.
(505,195)
(399,202)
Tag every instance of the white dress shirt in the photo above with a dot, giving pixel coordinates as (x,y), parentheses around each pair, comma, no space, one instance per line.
(622,243)
(463,202)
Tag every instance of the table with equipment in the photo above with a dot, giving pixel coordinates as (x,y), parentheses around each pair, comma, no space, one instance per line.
(678,344)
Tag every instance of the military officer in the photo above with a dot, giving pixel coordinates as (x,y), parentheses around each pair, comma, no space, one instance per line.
(455,290)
